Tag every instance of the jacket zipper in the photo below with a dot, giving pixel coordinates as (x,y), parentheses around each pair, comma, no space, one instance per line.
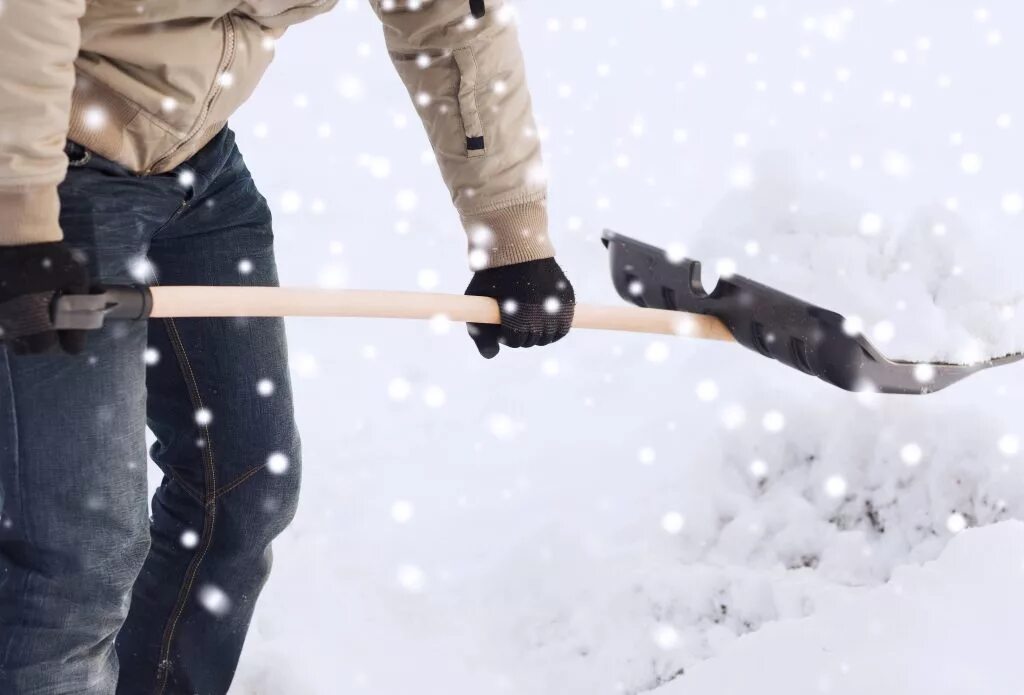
(228,26)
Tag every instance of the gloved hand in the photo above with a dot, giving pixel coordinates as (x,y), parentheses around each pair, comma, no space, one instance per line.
(536,303)
(30,277)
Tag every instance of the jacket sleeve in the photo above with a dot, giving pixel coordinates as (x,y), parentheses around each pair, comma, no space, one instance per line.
(39,40)
(465,74)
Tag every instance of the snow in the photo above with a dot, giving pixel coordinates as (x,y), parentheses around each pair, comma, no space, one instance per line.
(951,626)
(615,512)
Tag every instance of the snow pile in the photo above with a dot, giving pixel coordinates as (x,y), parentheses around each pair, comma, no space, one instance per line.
(927,288)
(952,626)
(753,527)
(618,577)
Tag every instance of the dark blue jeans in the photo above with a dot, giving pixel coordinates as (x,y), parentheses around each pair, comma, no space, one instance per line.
(96,595)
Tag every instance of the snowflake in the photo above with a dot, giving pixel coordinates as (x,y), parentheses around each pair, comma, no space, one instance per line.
(411,578)
(956,522)
(189,539)
(665,636)
(434,396)
(278,463)
(399,389)
(835,486)
(707,391)
(646,455)
(1009,445)
(911,454)
(773,421)
(213,599)
(402,511)
(94,118)
(673,523)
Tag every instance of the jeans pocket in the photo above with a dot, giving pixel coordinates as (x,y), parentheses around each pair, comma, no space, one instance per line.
(77,155)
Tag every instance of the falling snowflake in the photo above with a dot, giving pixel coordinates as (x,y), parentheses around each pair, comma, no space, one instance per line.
(434,396)
(189,539)
(399,389)
(956,522)
(428,279)
(924,373)
(406,200)
(733,416)
(673,523)
(411,578)
(707,391)
(911,454)
(871,224)
(773,421)
(971,163)
(1009,445)
(665,636)
(1013,203)
(290,202)
(758,468)
(502,426)
(657,352)
(214,600)
(835,486)
(402,511)
(94,118)
(278,463)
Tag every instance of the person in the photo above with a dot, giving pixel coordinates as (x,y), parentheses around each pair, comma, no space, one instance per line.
(114,148)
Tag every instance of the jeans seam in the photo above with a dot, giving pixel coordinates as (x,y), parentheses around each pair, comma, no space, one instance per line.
(18,486)
(189,490)
(237,481)
(209,514)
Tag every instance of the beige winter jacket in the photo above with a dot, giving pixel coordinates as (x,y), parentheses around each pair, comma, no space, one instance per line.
(147,84)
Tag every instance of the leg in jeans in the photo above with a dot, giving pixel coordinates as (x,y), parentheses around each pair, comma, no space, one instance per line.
(221,502)
(73,518)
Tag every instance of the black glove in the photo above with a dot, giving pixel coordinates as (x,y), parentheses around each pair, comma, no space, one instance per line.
(30,277)
(536,302)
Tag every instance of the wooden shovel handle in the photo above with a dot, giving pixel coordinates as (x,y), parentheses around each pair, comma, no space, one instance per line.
(278,301)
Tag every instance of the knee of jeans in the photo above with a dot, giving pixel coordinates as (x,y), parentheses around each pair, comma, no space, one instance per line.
(264,505)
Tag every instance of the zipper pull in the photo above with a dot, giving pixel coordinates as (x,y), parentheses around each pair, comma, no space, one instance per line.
(477,8)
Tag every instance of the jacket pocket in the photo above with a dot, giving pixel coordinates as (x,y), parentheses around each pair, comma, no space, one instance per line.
(469,74)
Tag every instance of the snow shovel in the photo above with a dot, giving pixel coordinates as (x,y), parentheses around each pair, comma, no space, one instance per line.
(781,327)
(670,297)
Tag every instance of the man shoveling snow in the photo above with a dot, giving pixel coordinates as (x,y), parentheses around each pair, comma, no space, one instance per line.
(127,104)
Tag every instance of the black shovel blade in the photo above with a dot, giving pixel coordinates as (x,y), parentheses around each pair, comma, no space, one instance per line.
(777,325)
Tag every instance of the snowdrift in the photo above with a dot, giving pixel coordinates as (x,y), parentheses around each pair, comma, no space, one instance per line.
(951,626)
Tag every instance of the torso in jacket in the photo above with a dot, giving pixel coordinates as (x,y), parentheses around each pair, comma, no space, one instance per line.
(147,83)
(156,80)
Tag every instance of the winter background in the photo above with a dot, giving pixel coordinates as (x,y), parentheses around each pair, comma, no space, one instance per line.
(624,514)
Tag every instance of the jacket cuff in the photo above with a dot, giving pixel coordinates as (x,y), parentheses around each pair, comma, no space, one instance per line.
(29,215)
(508,235)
